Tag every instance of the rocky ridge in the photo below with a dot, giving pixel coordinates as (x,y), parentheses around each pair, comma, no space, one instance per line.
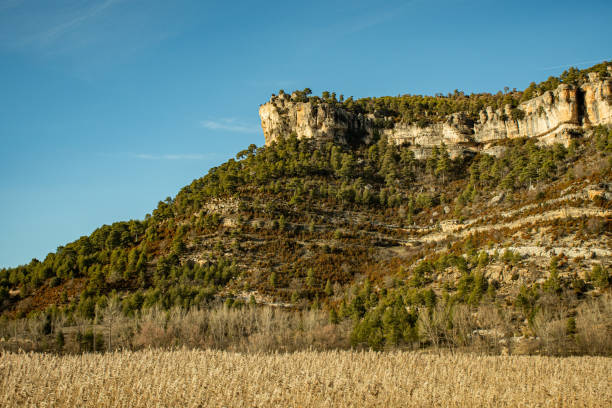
(553,117)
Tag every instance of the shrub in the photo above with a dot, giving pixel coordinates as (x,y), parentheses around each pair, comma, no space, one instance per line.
(600,276)
(517,114)
(60,340)
(55,281)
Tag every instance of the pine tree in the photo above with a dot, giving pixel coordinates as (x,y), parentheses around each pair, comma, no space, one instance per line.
(328,288)
(507,182)
(443,163)
(336,158)
(347,168)
(272,279)
(570,326)
(60,340)
(432,160)
(310,277)
(333,316)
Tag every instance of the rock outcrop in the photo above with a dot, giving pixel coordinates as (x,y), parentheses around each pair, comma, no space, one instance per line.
(282,116)
(553,112)
(597,101)
(456,133)
(553,117)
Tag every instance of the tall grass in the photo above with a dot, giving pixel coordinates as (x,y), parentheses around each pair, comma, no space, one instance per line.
(198,378)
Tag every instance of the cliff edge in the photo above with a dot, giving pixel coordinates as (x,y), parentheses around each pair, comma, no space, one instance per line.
(553,117)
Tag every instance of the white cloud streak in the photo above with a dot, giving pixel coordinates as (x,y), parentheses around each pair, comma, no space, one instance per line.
(369,18)
(229,125)
(56,31)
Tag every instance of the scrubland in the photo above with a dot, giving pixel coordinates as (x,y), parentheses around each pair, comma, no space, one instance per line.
(485,329)
(197,378)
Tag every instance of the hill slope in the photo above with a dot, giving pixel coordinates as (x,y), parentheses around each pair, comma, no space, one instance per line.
(379,238)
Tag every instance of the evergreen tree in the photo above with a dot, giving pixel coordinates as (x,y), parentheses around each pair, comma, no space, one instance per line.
(432,160)
(333,316)
(272,279)
(329,290)
(347,168)
(443,163)
(310,278)
(60,340)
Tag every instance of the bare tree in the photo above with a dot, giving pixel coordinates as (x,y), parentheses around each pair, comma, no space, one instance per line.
(111,314)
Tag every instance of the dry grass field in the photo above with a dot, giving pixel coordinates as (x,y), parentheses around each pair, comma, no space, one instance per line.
(186,378)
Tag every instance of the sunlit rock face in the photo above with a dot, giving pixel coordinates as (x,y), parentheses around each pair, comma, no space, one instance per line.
(552,112)
(281,117)
(597,101)
(553,117)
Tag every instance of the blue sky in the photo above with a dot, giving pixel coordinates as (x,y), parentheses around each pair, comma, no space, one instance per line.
(108,106)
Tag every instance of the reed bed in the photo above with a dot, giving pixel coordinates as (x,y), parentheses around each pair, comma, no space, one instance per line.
(202,378)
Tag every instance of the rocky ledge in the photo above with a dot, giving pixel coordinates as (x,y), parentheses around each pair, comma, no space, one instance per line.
(553,117)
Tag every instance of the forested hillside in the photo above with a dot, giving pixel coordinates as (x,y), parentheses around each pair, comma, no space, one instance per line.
(385,249)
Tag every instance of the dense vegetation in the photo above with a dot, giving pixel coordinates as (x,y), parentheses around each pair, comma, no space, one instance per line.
(381,178)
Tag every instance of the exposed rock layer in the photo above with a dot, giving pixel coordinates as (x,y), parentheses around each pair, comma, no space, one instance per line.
(552,118)
(281,116)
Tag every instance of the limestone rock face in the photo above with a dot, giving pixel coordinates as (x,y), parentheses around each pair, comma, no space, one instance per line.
(281,116)
(552,112)
(551,118)
(456,132)
(597,101)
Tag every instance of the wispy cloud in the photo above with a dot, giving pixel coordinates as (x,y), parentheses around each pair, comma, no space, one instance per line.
(369,18)
(366,22)
(87,37)
(358,19)
(79,18)
(230,125)
(45,26)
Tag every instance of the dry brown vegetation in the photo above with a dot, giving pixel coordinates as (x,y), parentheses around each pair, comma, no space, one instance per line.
(190,378)
(247,329)
(555,329)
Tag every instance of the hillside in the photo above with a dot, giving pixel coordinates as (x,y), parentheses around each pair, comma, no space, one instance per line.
(394,242)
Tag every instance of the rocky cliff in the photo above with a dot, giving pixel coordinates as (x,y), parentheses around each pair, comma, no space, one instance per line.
(282,116)
(552,117)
